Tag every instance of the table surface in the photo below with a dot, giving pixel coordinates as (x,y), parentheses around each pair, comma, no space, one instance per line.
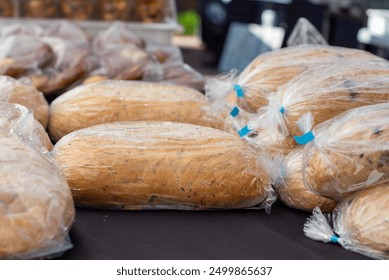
(175,235)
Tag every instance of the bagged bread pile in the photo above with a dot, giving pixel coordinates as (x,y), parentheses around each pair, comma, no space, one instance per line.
(110,101)
(162,165)
(360,223)
(37,208)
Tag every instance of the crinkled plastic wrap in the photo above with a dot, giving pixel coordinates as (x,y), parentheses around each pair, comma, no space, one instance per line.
(37,209)
(20,28)
(68,31)
(20,53)
(324,92)
(349,152)
(162,165)
(183,75)
(20,121)
(264,75)
(110,101)
(71,63)
(23,92)
(291,189)
(360,223)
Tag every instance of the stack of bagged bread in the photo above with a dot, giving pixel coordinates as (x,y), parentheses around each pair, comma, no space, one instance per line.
(322,113)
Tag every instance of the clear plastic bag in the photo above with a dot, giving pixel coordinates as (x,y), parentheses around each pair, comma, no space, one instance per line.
(20,121)
(162,165)
(21,28)
(68,31)
(110,101)
(37,210)
(349,152)
(23,92)
(360,223)
(264,75)
(20,53)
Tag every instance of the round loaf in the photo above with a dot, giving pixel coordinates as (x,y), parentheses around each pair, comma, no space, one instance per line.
(264,75)
(18,119)
(142,165)
(110,101)
(36,209)
(293,192)
(350,152)
(362,222)
(20,92)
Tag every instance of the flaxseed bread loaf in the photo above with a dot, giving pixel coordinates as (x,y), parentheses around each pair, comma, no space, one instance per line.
(110,101)
(350,152)
(23,93)
(164,165)
(37,209)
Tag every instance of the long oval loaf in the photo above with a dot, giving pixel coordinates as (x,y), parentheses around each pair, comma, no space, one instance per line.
(362,221)
(36,209)
(110,101)
(350,152)
(264,75)
(19,120)
(20,92)
(141,165)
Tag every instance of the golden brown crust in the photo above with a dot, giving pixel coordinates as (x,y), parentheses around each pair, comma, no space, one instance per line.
(6,8)
(39,8)
(293,191)
(139,165)
(115,9)
(77,9)
(110,101)
(38,209)
(150,10)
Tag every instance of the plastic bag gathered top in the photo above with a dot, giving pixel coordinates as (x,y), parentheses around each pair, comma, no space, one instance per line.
(360,223)
(162,165)
(38,208)
(110,101)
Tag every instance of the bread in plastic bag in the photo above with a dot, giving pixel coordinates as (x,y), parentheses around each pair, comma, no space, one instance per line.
(20,53)
(183,75)
(349,152)
(290,187)
(68,31)
(110,101)
(20,121)
(37,208)
(360,223)
(265,74)
(162,165)
(23,92)
(70,64)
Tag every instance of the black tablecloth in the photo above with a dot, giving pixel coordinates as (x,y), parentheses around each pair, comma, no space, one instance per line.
(235,234)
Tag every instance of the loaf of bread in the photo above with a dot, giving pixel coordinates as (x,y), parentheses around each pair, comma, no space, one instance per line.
(350,152)
(164,165)
(362,221)
(263,76)
(22,92)
(39,8)
(110,101)
(6,8)
(151,10)
(69,65)
(77,9)
(115,9)
(20,53)
(292,191)
(37,209)
(20,121)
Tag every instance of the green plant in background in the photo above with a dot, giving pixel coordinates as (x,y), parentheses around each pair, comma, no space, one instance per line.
(190,21)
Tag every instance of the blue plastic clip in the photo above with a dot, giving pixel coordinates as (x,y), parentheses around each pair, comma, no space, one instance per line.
(234,112)
(244,131)
(334,239)
(239,91)
(282,109)
(304,139)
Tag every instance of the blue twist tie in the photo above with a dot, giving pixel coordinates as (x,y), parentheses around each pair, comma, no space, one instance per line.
(244,131)
(239,91)
(282,109)
(304,139)
(334,239)
(234,112)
